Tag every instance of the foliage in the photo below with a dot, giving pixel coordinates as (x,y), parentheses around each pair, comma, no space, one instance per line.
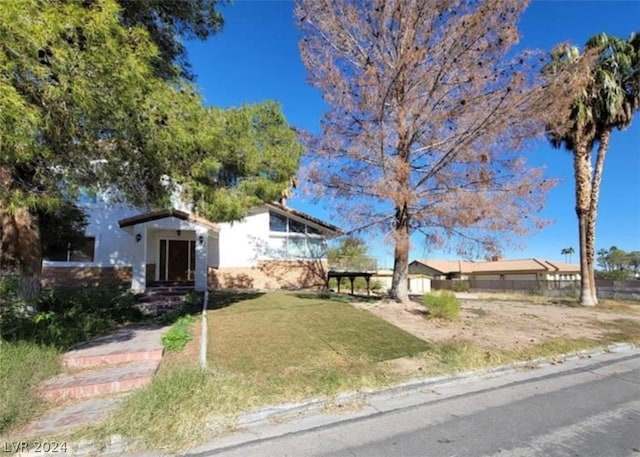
(87,101)
(614,275)
(442,305)
(66,317)
(428,107)
(179,334)
(461,285)
(167,22)
(617,264)
(23,366)
(256,155)
(567,253)
(607,100)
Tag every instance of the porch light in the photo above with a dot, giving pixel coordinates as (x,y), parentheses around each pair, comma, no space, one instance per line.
(178,232)
(201,239)
(138,237)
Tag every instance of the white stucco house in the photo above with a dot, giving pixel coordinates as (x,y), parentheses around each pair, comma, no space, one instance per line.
(274,246)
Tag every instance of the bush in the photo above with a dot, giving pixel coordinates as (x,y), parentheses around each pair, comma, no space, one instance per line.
(443,305)
(460,286)
(63,318)
(179,334)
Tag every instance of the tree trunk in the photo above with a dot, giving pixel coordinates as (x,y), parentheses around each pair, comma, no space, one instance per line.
(21,249)
(582,173)
(603,146)
(399,290)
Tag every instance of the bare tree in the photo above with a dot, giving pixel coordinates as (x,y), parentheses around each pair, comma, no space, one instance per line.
(428,108)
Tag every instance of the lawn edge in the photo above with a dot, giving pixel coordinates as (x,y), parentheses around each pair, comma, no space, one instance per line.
(266,415)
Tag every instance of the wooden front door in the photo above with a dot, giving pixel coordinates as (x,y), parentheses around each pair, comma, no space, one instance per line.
(177,260)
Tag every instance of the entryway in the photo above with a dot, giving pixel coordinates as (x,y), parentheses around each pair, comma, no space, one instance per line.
(177,260)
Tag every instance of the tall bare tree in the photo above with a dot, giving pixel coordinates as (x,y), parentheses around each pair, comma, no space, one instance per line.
(428,106)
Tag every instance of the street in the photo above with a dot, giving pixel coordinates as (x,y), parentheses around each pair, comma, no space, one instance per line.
(584,407)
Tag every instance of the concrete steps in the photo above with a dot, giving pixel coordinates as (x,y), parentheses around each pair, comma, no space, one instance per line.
(97,374)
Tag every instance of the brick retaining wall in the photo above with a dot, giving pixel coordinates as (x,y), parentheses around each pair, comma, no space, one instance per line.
(86,277)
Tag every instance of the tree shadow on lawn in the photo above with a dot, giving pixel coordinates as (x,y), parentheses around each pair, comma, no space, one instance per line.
(219,299)
(338,298)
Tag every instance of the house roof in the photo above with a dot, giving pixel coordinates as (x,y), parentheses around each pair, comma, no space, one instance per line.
(448,266)
(329,227)
(514,265)
(164,213)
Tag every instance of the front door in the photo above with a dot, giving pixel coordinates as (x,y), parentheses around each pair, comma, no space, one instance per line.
(177,260)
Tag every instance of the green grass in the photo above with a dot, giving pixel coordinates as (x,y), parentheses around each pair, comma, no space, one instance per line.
(22,367)
(179,334)
(265,349)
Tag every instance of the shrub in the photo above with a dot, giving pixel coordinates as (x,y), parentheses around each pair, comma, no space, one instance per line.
(65,317)
(179,334)
(460,286)
(443,305)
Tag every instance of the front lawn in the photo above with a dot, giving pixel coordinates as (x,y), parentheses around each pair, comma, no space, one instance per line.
(263,349)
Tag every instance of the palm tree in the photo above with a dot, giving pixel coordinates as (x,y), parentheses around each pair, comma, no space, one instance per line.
(567,252)
(607,100)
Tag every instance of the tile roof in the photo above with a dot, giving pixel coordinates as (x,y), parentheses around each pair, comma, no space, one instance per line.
(468,267)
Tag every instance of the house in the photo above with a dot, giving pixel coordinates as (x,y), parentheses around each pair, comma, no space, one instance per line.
(515,269)
(274,246)
(418,283)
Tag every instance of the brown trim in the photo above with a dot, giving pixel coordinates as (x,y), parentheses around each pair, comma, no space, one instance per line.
(163,214)
(329,227)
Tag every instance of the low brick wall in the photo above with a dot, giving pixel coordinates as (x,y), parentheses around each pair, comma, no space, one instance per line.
(294,274)
(85,277)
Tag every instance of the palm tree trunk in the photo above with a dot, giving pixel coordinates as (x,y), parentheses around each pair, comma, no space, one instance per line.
(603,146)
(399,290)
(582,173)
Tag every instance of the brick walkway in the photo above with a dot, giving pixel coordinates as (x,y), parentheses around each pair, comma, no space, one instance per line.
(97,374)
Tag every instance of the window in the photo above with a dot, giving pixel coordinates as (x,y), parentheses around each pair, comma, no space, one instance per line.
(296,227)
(281,223)
(77,251)
(277,222)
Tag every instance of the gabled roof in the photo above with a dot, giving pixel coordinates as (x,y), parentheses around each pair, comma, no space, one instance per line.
(163,214)
(515,265)
(329,227)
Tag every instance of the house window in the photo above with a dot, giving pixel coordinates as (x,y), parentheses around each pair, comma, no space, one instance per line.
(82,250)
(277,222)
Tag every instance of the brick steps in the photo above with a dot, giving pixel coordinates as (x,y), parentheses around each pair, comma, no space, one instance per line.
(163,297)
(98,373)
(100,382)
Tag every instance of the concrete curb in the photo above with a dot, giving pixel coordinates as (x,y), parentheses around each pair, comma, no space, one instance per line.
(279,412)
(269,414)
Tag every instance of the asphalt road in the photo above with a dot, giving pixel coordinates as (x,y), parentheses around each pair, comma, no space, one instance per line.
(585,408)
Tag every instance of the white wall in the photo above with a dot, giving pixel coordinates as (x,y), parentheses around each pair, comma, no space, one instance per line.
(241,242)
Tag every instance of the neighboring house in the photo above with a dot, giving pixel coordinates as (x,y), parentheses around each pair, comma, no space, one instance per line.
(517,269)
(274,246)
(416,283)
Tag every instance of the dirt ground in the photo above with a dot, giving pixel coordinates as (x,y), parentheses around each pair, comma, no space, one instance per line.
(497,324)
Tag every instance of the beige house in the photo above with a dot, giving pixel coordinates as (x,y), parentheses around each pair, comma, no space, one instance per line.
(516,269)
(416,283)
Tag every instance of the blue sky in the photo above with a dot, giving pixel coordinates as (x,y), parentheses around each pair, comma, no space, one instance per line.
(256,58)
